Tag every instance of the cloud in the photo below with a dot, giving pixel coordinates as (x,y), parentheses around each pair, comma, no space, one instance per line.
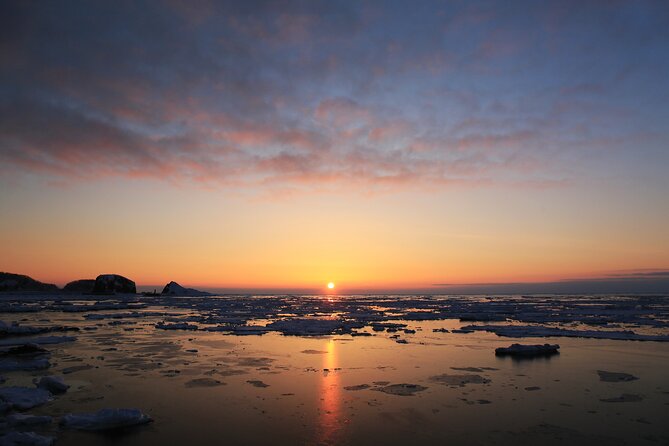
(305,95)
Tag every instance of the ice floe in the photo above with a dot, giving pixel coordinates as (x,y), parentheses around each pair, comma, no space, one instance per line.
(24,420)
(357,387)
(53,384)
(25,439)
(204,382)
(615,377)
(401,389)
(176,326)
(624,398)
(459,380)
(313,327)
(23,398)
(528,351)
(532,331)
(43,340)
(105,419)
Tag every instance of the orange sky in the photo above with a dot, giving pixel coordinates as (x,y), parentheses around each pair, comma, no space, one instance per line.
(199,237)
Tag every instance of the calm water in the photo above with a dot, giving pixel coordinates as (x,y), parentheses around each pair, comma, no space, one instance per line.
(298,395)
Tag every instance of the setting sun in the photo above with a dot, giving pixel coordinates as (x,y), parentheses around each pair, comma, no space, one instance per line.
(331,285)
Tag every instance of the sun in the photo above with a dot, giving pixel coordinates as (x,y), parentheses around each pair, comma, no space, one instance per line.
(331,285)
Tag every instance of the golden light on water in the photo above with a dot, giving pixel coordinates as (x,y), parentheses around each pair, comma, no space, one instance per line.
(330,415)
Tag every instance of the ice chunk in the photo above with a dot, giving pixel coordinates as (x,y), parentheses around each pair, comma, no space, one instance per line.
(244,330)
(25,439)
(43,340)
(10,364)
(473,369)
(358,387)
(314,327)
(176,326)
(401,389)
(24,357)
(615,377)
(24,349)
(528,351)
(53,384)
(21,420)
(204,382)
(105,419)
(15,329)
(532,331)
(459,380)
(624,398)
(24,398)
(77,368)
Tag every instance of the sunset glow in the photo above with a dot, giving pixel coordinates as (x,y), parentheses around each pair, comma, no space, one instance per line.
(459,151)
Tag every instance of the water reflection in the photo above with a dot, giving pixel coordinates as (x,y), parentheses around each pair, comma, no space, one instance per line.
(329,427)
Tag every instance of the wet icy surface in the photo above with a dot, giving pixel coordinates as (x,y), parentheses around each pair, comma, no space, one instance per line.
(329,370)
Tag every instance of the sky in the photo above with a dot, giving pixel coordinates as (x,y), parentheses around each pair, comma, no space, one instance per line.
(375,144)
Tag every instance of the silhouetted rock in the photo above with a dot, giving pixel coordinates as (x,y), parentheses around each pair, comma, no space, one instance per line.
(19,282)
(83,286)
(174,289)
(113,283)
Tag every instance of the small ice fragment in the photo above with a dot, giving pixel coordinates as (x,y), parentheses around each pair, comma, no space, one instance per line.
(25,439)
(24,398)
(77,368)
(528,351)
(22,420)
(401,389)
(42,340)
(53,384)
(176,326)
(459,380)
(624,398)
(204,382)
(11,364)
(615,377)
(105,419)
(358,387)
(314,352)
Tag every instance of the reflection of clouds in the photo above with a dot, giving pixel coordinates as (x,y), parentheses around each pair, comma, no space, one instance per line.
(328,429)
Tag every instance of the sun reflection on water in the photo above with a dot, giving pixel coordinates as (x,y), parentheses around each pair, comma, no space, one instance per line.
(329,413)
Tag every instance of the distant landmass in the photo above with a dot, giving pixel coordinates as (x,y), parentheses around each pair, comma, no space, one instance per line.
(174,289)
(19,282)
(113,283)
(83,286)
(102,284)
